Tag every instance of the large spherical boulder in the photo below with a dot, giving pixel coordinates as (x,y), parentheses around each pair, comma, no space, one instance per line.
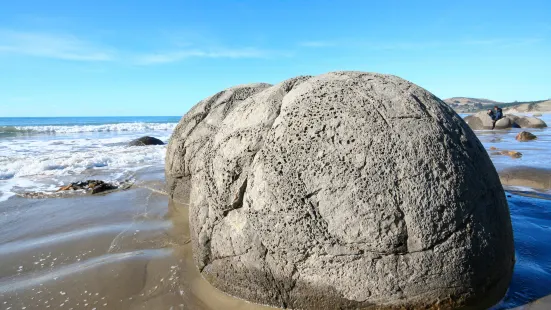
(504,123)
(530,122)
(480,120)
(341,191)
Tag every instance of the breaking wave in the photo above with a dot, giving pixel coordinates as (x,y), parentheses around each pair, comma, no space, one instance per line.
(122,127)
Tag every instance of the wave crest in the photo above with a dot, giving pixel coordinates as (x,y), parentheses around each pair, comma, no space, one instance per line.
(28,130)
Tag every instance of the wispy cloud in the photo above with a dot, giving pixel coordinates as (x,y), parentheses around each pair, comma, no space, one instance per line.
(47,45)
(179,55)
(73,48)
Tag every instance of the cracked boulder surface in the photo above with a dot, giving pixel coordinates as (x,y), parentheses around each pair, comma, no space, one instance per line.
(346,190)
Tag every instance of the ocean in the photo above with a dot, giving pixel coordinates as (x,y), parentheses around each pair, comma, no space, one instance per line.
(41,154)
(66,251)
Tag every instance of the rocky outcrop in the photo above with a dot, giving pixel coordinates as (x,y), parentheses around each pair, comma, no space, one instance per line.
(143,141)
(341,191)
(482,120)
(525,136)
(530,122)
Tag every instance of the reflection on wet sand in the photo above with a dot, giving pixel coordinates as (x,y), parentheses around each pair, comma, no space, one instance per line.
(119,251)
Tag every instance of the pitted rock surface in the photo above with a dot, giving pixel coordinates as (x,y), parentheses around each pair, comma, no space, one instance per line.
(341,191)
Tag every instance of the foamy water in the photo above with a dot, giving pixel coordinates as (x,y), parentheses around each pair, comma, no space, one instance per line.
(141,127)
(42,157)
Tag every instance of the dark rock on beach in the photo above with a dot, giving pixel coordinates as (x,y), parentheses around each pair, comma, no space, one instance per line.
(145,141)
(93,186)
(341,191)
(89,187)
(525,136)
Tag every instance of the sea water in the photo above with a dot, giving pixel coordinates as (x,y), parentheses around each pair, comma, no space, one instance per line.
(42,154)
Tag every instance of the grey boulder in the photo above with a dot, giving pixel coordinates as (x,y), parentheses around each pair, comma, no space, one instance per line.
(482,120)
(530,122)
(341,191)
(504,123)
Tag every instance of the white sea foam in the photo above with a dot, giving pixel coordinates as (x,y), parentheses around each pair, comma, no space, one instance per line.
(70,163)
(42,163)
(132,127)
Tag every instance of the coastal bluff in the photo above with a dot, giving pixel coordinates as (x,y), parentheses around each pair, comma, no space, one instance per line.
(346,190)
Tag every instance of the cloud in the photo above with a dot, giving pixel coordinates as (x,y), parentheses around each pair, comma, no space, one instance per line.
(179,55)
(56,46)
(72,48)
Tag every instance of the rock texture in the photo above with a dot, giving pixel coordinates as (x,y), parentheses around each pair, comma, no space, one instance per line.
(342,191)
(146,140)
(525,136)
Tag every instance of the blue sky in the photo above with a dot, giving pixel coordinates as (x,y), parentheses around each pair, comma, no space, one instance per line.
(95,58)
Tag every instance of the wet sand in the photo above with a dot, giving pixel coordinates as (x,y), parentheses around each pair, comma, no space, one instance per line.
(131,250)
(125,250)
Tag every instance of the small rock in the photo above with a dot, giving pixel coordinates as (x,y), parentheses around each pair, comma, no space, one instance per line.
(65,188)
(513,154)
(143,141)
(493,148)
(95,186)
(525,136)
